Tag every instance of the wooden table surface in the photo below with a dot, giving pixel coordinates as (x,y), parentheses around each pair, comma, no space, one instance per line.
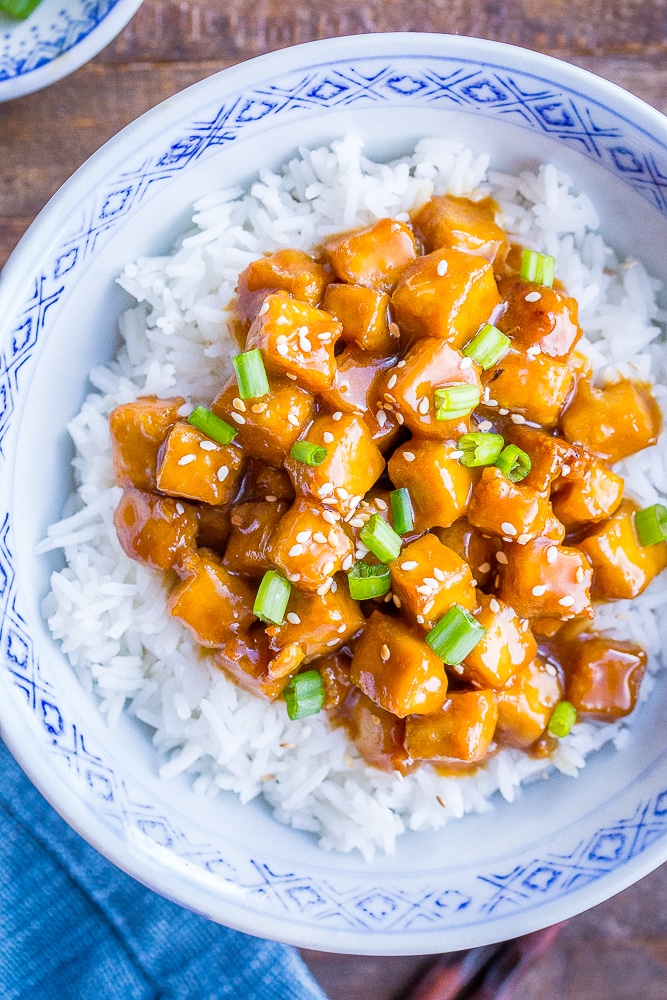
(618,950)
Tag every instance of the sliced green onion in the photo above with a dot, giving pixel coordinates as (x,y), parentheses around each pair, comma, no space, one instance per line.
(304,695)
(251,374)
(537,267)
(212,426)
(367,581)
(401,511)
(19,8)
(480,448)
(562,719)
(651,525)
(455,401)
(514,463)
(487,346)
(381,539)
(308,453)
(455,635)
(272,597)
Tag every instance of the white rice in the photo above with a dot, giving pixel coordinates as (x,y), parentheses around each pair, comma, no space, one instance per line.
(109,613)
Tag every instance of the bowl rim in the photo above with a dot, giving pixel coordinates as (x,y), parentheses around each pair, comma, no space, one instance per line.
(32,248)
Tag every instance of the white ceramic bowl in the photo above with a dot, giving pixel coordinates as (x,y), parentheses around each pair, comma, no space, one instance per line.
(566,844)
(57,38)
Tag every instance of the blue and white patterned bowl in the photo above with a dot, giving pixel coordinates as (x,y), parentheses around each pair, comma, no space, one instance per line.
(56,39)
(565,845)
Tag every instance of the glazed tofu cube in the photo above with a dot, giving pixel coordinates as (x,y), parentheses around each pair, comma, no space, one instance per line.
(214,527)
(364,315)
(552,458)
(356,375)
(428,578)
(537,316)
(429,364)
(318,623)
(478,550)
(156,531)
(374,256)
(462,730)
(603,677)
(612,422)
(334,670)
(622,568)
(546,580)
(263,482)
(510,510)
(307,548)
(267,428)
(137,431)
(504,650)
(296,338)
(378,735)
(593,497)
(525,707)
(395,668)
(291,271)
(470,226)
(446,294)
(530,385)
(252,527)
(352,465)
(439,486)
(247,659)
(211,601)
(192,465)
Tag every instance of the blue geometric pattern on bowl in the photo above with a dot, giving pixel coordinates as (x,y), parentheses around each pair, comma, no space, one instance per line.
(29,46)
(598,133)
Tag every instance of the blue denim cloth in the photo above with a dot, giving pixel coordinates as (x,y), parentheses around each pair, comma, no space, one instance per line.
(74,927)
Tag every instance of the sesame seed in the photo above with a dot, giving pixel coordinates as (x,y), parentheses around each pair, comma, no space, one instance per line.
(566,601)
(539,590)
(501,558)
(491,402)
(282,348)
(442,267)
(332,537)
(332,642)
(270,498)
(294,577)
(238,417)
(324,337)
(473,583)
(328,437)
(293,618)
(431,582)
(439,575)
(329,516)
(186,459)
(485,425)
(292,376)
(516,418)
(222,473)
(565,470)
(381,418)
(424,590)
(390,399)
(523,538)
(293,419)
(423,406)
(341,629)
(465,363)
(381,504)
(385,652)
(408,565)
(395,332)
(458,667)
(296,550)
(408,456)
(319,536)
(503,412)
(238,404)
(347,562)
(508,528)
(337,416)
(532,297)
(550,669)
(420,619)
(552,553)
(392,381)
(180,509)
(456,453)
(400,418)
(264,308)
(326,587)
(493,604)
(356,522)
(258,407)
(208,446)
(397,601)
(401,364)
(341,493)
(428,607)
(304,535)
(484,567)
(328,568)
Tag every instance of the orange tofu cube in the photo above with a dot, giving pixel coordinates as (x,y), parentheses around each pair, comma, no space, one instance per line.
(470,226)
(252,527)
(552,458)
(214,527)
(439,486)
(364,315)
(593,497)
(267,428)
(532,386)
(614,421)
(318,623)
(428,578)
(395,668)
(622,568)
(352,465)
(504,650)
(137,431)
(462,730)
(378,735)
(526,706)
(374,256)
(545,580)
(512,510)
(356,374)
(296,338)
(429,364)
(247,659)
(192,465)
(291,271)
(308,548)
(446,294)
(535,315)
(156,531)
(263,482)
(478,550)
(211,601)
(604,677)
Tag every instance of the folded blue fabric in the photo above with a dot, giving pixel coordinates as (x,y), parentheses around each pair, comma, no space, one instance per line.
(74,927)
